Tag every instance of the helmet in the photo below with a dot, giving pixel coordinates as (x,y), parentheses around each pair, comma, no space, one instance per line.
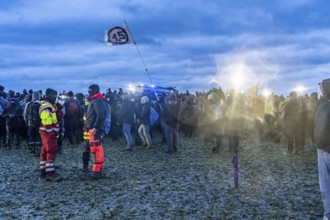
(144,99)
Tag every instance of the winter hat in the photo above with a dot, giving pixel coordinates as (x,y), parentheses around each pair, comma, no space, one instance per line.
(70,94)
(93,89)
(51,95)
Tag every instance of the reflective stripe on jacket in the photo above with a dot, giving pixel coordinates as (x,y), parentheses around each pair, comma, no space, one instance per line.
(48,117)
(86,133)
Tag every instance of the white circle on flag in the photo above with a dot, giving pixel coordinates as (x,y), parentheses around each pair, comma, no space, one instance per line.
(117,35)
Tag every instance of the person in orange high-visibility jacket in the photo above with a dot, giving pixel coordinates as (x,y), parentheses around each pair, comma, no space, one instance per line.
(49,130)
(95,120)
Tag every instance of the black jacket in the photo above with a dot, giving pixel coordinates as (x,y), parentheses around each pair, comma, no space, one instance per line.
(171,113)
(96,112)
(145,114)
(12,115)
(126,113)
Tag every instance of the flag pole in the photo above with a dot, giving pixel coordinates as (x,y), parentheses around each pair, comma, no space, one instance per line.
(144,64)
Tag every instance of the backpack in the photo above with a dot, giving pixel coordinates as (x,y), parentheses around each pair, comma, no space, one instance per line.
(153,115)
(107,122)
(73,108)
(33,115)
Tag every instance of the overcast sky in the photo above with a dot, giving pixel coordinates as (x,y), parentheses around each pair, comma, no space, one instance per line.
(188,44)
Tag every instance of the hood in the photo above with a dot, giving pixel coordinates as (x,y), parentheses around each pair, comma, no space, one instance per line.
(35,96)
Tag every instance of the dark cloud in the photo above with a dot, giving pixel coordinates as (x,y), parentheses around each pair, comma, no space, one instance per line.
(186,43)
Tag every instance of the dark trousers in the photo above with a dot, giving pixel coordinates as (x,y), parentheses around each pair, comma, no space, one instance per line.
(296,139)
(12,133)
(233,137)
(34,136)
(172,137)
(74,130)
(2,131)
(86,154)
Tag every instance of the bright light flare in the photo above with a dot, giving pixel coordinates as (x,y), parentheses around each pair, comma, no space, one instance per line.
(300,89)
(238,79)
(131,88)
(62,97)
(266,93)
(237,76)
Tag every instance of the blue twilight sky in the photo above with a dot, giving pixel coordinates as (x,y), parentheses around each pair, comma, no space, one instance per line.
(189,44)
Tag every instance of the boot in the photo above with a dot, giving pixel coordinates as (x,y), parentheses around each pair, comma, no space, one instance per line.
(216,149)
(85,166)
(54,177)
(149,146)
(42,173)
(96,175)
(36,151)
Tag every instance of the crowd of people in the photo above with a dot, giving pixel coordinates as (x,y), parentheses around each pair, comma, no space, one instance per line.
(44,120)
(212,115)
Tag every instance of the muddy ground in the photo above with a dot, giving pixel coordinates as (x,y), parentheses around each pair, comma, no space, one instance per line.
(149,184)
